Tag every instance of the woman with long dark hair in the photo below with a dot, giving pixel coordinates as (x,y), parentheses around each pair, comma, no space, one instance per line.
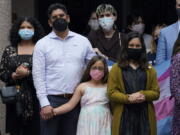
(132,86)
(175,85)
(15,69)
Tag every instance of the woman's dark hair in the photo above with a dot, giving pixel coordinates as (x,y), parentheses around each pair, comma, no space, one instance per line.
(124,61)
(86,76)
(88,28)
(38,30)
(176,47)
(56,6)
(133,18)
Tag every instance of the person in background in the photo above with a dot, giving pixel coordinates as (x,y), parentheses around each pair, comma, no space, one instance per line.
(106,41)
(59,60)
(155,34)
(132,87)
(135,22)
(95,116)
(93,23)
(175,85)
(15,69)
(167,38)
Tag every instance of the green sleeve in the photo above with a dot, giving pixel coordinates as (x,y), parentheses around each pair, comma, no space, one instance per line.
(153,90)
(115,88)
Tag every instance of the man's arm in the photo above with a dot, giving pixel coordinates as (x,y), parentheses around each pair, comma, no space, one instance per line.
(89,51)
(38,72)
(161,49)
(39,81)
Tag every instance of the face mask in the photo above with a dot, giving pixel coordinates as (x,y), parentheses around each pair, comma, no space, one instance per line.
(134,54)
(60,24)
(106,23)
(26,34)
(94,24)
(178,12)
(138,28)
(96,74)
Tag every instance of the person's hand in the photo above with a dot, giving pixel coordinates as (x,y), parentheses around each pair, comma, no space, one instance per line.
(46,112)
(55,111)
(16,76)
(100,53)
(136,97)
(22,72)
(140,99)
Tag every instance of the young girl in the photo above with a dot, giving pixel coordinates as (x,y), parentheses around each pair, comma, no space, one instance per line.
(132,86)
(175,86)
(95,117)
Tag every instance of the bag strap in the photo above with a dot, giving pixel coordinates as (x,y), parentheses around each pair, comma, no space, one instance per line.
(120,43)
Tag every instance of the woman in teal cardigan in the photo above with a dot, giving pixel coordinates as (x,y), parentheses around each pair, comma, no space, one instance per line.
(132,86)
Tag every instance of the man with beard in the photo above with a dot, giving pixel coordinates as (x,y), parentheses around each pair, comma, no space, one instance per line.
(58,62)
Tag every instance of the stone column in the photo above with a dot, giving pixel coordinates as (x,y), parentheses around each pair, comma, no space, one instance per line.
(5,24)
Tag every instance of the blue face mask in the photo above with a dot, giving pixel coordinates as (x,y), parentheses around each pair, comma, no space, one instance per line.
(106,23)
(26,34)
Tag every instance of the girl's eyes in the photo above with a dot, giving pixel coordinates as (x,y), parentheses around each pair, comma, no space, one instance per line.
(97,68)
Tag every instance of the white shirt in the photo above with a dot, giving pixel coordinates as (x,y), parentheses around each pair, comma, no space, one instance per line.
(179,24)
(58,64)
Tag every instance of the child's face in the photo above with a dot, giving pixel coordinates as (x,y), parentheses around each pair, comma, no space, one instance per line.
(98,66)
(97,71)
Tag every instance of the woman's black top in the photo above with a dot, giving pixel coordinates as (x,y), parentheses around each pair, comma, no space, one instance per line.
(134,120)
(110,47)
(10,61)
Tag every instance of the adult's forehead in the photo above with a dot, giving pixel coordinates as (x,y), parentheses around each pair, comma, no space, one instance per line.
(58,11)
(106,12)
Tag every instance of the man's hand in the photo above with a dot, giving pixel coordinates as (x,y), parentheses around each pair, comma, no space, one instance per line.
(46,112)
(100,53)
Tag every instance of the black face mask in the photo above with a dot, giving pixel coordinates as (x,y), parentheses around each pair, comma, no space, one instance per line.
(178,12)
(60,24)
(134,54)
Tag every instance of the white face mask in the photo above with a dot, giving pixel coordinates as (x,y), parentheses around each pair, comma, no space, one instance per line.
(94,24)
(106,23)
(138,28)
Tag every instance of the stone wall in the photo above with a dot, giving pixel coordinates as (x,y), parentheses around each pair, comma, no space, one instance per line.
(2,118)
(5,24)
